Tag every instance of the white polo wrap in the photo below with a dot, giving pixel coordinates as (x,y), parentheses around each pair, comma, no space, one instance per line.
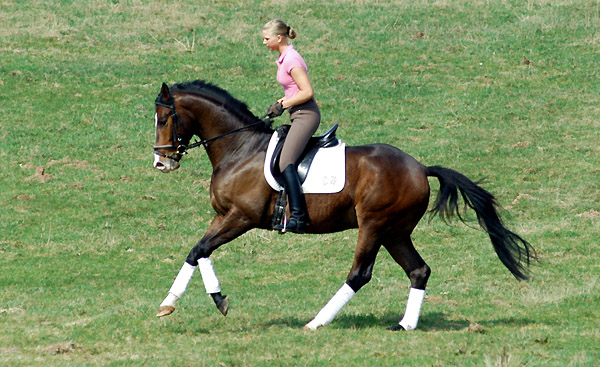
(413,309)
(211,283)
(333,307)
(180,284)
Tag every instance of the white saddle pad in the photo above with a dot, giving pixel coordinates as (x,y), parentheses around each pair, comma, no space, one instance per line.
(327,174)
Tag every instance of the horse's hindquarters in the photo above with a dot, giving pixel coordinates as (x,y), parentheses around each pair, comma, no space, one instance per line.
(385,188)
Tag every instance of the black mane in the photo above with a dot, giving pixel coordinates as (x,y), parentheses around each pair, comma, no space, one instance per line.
(219,96)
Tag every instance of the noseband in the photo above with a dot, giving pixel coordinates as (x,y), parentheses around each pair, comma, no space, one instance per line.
(181,149)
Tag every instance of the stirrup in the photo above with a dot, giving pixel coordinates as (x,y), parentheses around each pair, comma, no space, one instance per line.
(297,226)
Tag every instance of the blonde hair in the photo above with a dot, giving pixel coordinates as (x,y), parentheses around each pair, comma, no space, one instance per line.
(278,28)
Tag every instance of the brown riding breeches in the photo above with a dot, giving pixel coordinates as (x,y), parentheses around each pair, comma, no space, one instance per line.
(305,121)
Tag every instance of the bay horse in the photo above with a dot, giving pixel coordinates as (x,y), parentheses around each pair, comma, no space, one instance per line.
(385,195)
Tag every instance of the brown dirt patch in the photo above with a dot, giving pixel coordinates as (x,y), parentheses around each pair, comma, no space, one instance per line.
(61,348)
(40,175)
(591,214)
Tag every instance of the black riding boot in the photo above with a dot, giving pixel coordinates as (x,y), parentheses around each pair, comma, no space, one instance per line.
(298,219)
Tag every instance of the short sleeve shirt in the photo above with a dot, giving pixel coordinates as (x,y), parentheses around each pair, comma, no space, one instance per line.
(289,59)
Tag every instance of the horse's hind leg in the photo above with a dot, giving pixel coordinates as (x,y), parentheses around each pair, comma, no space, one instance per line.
(360,274)
(418,272)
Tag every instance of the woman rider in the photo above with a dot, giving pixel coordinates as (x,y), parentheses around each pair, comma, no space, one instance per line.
(292,74)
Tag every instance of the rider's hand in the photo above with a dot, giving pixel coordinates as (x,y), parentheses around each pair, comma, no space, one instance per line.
(276,109)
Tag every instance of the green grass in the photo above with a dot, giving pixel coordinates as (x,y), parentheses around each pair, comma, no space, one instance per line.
(89,249)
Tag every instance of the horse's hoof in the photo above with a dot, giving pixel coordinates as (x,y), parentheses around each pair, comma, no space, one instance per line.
(396,327)
(165,311)
(312,326)
(223,306)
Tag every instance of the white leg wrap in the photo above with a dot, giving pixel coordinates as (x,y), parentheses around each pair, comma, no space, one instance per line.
(333,307)
(180,284)
(211,283)
(170,300)
(413,309)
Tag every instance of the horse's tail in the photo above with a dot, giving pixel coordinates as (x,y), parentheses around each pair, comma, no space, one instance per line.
(514,252)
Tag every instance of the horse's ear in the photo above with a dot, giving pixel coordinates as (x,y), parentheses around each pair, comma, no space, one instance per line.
(165,92)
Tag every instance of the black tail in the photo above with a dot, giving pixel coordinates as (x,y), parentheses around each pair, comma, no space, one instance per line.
(514,252)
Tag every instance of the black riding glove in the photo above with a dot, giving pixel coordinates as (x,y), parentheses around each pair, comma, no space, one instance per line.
(276,109)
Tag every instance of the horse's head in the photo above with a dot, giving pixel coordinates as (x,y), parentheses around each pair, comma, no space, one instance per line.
(171,135)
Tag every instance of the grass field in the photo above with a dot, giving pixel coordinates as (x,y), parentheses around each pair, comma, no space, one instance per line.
(91,235)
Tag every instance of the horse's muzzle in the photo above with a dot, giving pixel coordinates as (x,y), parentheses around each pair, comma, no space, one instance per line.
(165,165)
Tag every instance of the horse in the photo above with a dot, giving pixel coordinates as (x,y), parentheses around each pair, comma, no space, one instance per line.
(386,193)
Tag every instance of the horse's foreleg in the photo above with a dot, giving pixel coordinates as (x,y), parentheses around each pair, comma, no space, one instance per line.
(221,231)
(181,282)
(360,274)
(211,284)
(417,270)
(177,290)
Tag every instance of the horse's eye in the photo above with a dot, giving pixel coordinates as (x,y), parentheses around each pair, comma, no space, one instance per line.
(159,121)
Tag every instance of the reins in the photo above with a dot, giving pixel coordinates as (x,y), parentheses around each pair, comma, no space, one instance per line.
(264,121)
(181,149)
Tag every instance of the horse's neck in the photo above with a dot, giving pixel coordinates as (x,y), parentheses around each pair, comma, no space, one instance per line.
(236,150)
(230,149)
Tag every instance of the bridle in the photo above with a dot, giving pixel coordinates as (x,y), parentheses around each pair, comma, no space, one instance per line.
(176,142)
(180,149)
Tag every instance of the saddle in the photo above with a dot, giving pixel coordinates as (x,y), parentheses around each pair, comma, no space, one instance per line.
(305,161)
(315,143)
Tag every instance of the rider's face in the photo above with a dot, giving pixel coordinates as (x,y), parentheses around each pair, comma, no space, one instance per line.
(272,42)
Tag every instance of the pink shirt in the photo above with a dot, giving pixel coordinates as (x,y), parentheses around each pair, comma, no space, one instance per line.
(288,60)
